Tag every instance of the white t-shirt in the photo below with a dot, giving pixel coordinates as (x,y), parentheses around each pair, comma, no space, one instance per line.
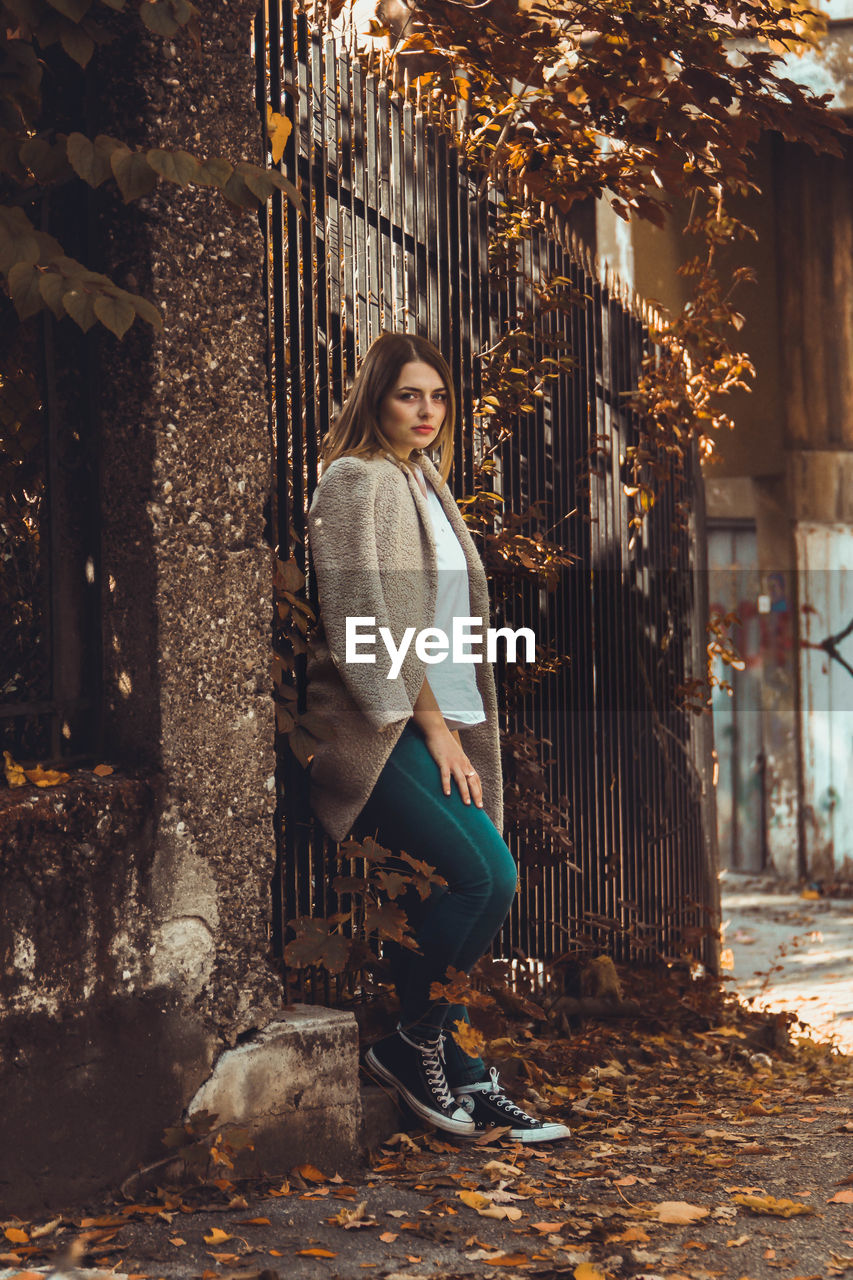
(453,683)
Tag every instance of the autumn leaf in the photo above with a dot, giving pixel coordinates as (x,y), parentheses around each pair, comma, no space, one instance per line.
(774,1207)
(841,1197)
(316,943)
(474,1199)
(588,1271)
(316,1253)
(46,777)
(633,1235)
(16,1236)
(350,1219)
(469,1039)
(217,1236)
(678,1212)
(103,770)
(486,1207)
(310,1173)
(14,772)
(278,127)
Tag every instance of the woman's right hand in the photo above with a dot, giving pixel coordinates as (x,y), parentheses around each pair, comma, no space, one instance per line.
(448,753)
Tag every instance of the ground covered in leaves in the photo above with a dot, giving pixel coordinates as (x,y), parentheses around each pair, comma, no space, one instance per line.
(708,1140)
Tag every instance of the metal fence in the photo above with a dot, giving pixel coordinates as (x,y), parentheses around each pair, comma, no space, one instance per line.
(394,234)
(50,681)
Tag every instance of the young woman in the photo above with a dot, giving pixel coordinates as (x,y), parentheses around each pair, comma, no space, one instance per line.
(414,758)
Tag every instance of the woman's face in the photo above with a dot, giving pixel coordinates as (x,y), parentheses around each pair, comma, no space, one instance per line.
(412,412)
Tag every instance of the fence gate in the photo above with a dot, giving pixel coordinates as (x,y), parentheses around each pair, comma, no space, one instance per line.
(394,234)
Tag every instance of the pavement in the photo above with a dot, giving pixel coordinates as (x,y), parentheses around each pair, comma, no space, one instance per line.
(710,1141)
(788,948)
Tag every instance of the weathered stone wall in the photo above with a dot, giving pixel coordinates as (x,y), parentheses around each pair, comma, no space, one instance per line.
(186,465)
(138,909)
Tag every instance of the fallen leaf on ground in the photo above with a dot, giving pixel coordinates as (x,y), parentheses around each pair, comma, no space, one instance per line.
(497,1169)
(588,1271)
(678,1212)
(350,1219)
(486,1207)
(841,1197)
(774,1207)
(16,1236)
(309,1173)
(388,1237)
(45,1229)
(217,1236)
(633,1235)
(316,1253)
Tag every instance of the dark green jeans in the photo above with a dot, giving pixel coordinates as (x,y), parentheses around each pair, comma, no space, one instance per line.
(408,811)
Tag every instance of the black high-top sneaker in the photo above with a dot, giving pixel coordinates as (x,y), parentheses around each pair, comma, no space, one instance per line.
(416,1070)
(488,1105)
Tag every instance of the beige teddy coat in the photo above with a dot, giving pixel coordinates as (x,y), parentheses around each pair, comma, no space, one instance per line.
(373,551)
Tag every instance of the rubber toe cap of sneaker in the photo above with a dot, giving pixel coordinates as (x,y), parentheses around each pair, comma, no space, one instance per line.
(547,1132)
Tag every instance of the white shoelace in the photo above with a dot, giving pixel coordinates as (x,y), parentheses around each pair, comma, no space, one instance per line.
(491,1086)
(432,1056)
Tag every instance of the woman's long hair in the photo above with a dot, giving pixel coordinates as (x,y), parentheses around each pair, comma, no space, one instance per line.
(356,430)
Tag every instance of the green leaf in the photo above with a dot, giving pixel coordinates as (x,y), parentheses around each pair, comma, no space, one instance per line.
(238,192)
(133,173)
(9,160)
(50,250)
(284,184)
(184,11)
(91,160)
(80,306)
(302,745)
(148,312)
(115,312)
(214,172)
(18,242)
(46,162)
(23,281)
(257,180)
(175,166)
(73,9)
(157,16)
(262,182)
(52,285)
(77,44)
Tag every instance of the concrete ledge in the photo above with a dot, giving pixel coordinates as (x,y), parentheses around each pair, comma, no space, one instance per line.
(294,1086)
(380,1116)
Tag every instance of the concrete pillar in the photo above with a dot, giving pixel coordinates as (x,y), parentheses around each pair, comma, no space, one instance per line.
(143,910)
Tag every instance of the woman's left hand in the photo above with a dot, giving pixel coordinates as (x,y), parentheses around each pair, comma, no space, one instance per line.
(446,750)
